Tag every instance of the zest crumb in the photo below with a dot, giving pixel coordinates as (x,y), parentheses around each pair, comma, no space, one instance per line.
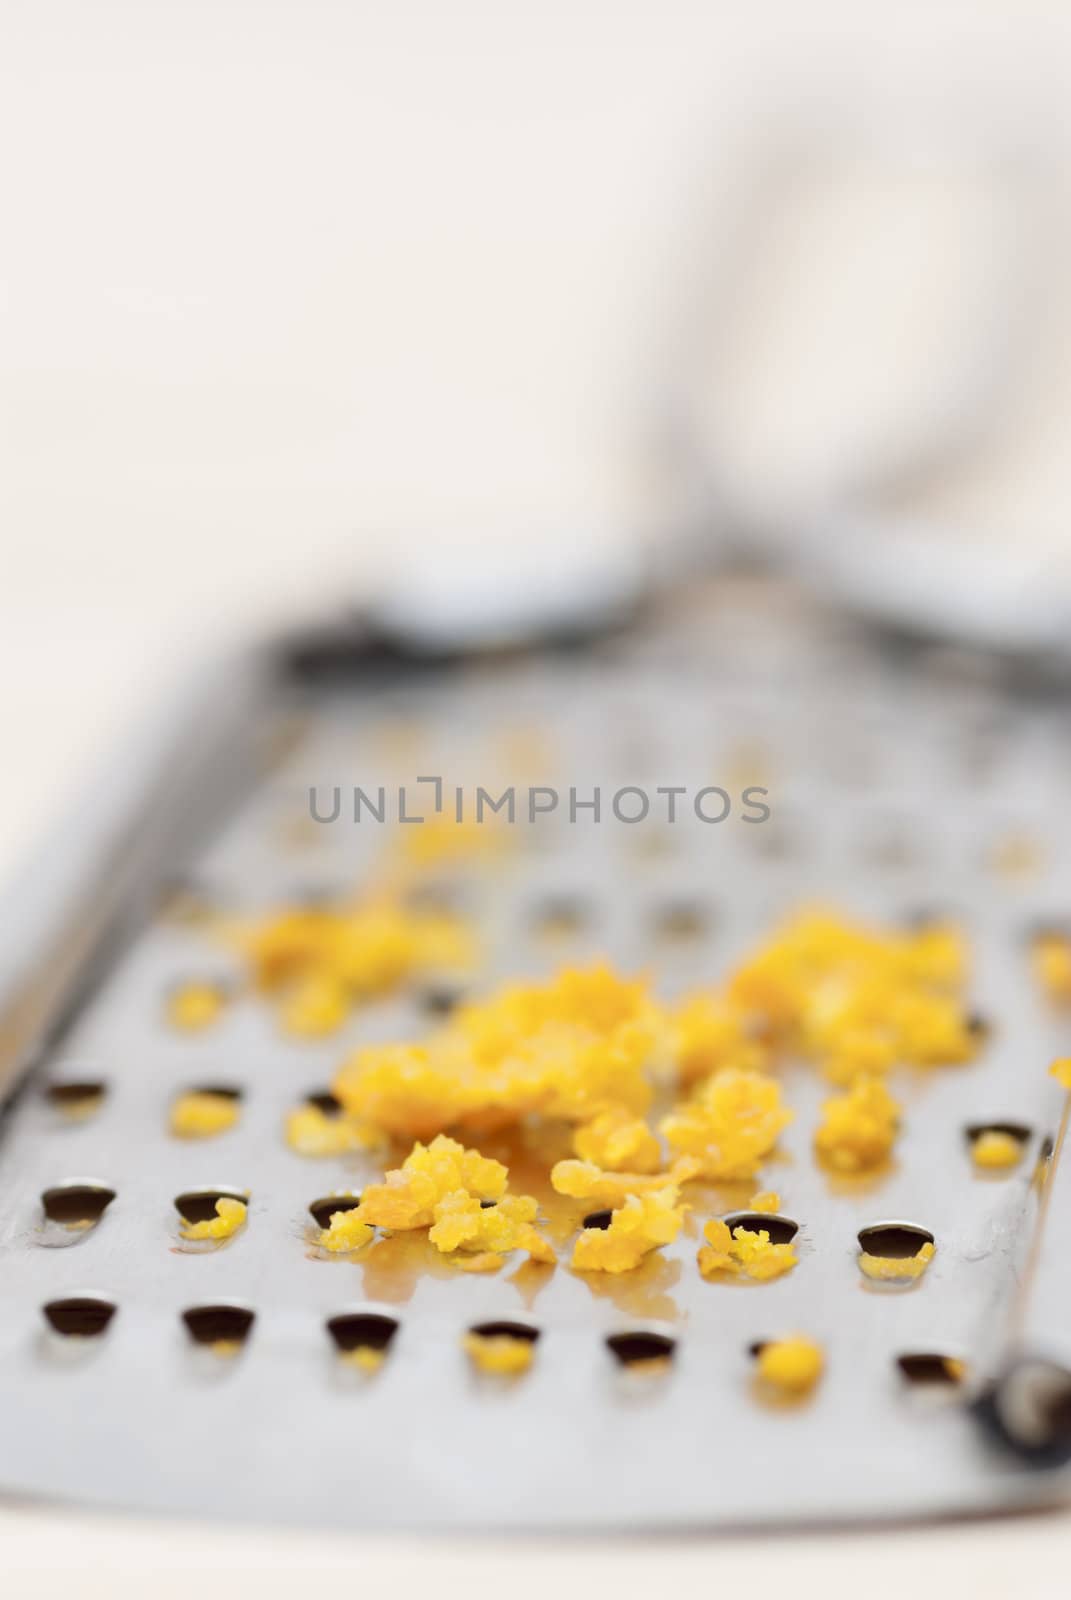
(314,1008)
(619,1142)
(319,962)
(195,1006)
(1061,1071)
(858,1129)
(767,1200)
(442,841)
(229,1217)
(568,1050)
(501,1354)
(856,998)
(891,1269)
(408,1196)
(731,1124)
(312,1132)
(790,1366)
(365,1357)
(463,1223)
(742,1252)
(1051,959)
(642,1224)
(344,1232)
(708,1034)
(580,1180)
(995,1149)
(203,1114)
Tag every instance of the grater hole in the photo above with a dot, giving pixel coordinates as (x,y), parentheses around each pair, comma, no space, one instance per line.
(222,1091)
(362,1330)
(77,1205)
(323,1210)
(324,1101)
(641,1348)
(78,1097)
(79,1316)
(199,1205)
(506,1330)
(894,1241)
(560,915)
(187,901)
(310,896)
(680,920)
(1019,1131)
(439,1000)
(598,1219)
(921,919)
(782,1230)
(196,1003)
(928,1368)
(441,898)
(219,1324)
(778,843)
(891,849)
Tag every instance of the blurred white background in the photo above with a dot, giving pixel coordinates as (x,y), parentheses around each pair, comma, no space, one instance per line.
(292,290)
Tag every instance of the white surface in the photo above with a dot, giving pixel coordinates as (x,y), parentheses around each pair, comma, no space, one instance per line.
(282,277)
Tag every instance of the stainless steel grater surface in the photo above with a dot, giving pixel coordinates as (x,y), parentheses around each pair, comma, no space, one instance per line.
(896,787)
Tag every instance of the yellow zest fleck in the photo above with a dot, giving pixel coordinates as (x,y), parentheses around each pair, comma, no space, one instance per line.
(730,1125)
(743,1252)
(345,1231)
(312,1132)
(314,1008)
(443,841)
(322,960)
(759,1258)
(581,1180)
(766,1200)
(956,1369)
(994,1148)
(462,1223)
(790,1366)
(856,998)
(501,1354)
(410,1193)
(229,1217)
(859,1053)
(708,1033)
(858,1128)
(717,1254)
(1016,856)
(891,1269)
(618,1141)
(1051,957)
(568,1049)
(1061,1071)
(642,1224)
(195,1006)
(203,1114)
(365,1357)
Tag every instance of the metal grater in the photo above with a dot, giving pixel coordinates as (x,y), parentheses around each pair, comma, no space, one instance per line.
(896,786)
